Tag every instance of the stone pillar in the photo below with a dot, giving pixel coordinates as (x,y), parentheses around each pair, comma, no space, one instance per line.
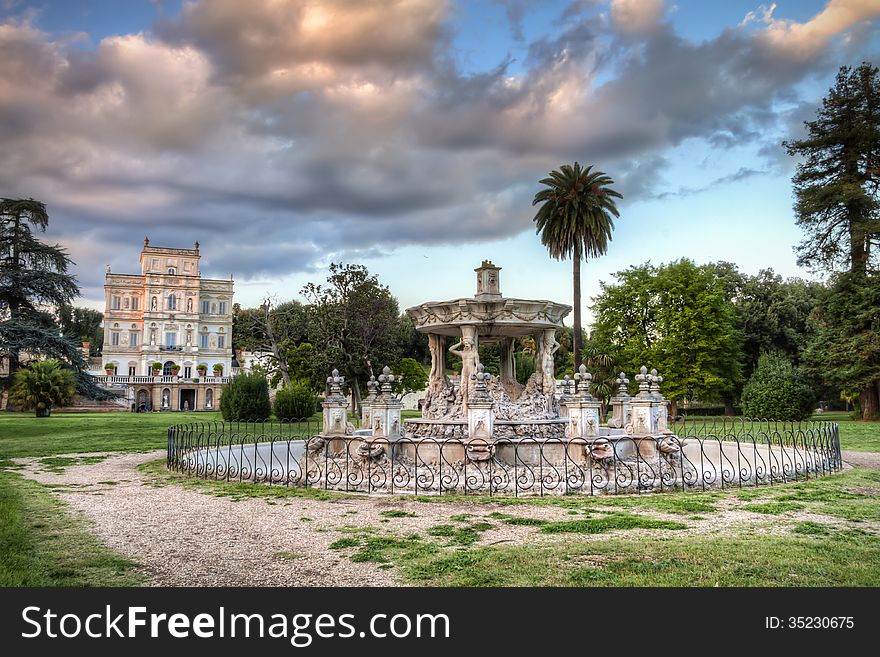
(620,404)
(437,377)
(368,401)
(508,366)
(644,425)
(385,410)
(661,408)
(335,406)
(567,395)
(583,409)
(481,419)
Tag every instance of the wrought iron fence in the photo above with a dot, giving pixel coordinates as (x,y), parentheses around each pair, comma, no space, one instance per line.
(698,455)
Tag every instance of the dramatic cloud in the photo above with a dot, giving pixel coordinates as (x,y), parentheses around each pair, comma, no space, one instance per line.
(279,132)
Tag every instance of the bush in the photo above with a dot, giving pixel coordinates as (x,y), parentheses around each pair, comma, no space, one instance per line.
(777,391)
(295,401)
(246,397)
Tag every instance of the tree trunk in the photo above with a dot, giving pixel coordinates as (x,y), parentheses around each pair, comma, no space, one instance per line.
(870,402)
(576,284)
(673,408)
(355,397)
(279,361)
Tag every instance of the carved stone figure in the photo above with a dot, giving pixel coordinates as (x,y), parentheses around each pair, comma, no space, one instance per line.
(549,347)
(466,349)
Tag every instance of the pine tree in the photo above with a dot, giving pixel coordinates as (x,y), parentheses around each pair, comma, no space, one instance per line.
(837,183)
(838,204)
(33,278)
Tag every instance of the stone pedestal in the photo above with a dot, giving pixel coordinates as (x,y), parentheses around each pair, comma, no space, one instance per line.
(621,410)
(479,445)
(335,406)
(385,410)
(368,401)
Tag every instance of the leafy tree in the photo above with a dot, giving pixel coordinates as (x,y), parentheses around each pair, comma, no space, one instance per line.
(772,315)
(837,183)
(301,361)
(34,276)
(82,324)
(844,349)
(42,385)
(413,343)
(295,401)
(575,221)
(677,318)
(353,324)
(246,398)
(411,376)
(777,391)
(525,365)
(270,330)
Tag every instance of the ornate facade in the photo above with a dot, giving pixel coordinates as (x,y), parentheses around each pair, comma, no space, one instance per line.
(168,315)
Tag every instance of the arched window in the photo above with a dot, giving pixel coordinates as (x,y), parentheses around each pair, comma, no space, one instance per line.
(166,368)
(209,398)
(172,302)
(171,270)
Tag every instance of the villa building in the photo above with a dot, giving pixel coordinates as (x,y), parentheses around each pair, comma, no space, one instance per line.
(168,315)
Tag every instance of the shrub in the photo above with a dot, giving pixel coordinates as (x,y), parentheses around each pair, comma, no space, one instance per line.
(777,391)
(246,397)
(295,401)
(42,385)
(218,369)
(411,376)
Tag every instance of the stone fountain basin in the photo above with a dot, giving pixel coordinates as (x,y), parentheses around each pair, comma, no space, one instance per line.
(708,461)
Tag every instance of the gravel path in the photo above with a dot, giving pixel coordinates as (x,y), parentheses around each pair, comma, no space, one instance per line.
(183,537)
(863,459)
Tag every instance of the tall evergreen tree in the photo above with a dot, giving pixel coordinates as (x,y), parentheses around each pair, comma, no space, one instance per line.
(33,277)
(837,183)
(838,204)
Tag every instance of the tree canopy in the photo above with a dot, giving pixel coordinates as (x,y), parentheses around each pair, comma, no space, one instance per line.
(34,280)
(677,318)
(837,183)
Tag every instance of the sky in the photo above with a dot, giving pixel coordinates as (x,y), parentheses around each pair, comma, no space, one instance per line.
(410,135)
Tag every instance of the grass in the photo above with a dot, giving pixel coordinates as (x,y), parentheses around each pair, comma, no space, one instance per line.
(58,464)
(42,544)
(609,522)
(745,561)
(397,513)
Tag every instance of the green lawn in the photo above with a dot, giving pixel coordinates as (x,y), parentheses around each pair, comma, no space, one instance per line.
(42,544)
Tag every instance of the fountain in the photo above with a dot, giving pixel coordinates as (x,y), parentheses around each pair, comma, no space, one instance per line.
(489,434)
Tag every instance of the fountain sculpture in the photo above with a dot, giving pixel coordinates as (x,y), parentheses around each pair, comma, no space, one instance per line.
(489,434)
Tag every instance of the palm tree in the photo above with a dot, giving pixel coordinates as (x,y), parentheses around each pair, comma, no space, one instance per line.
(42,385)
(575,220)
